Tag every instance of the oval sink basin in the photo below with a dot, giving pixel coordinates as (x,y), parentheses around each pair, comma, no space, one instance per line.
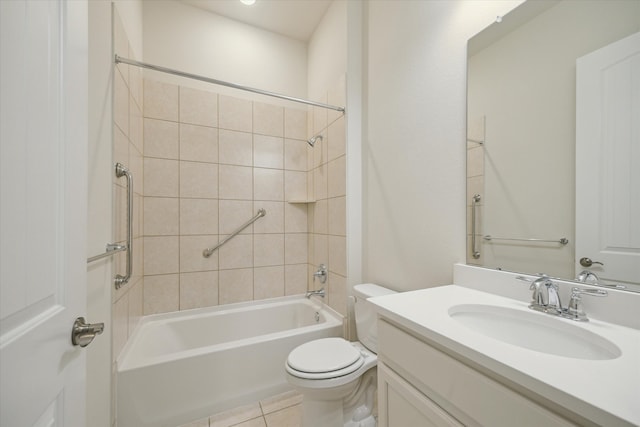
(534,331)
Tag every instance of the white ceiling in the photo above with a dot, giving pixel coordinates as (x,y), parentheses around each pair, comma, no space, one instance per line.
(297,19)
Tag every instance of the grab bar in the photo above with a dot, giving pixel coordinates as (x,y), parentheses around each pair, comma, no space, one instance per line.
(562,240)
(474,200)
(121,171)
(208,251)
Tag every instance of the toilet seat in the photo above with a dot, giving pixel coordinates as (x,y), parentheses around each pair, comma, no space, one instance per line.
(324,359)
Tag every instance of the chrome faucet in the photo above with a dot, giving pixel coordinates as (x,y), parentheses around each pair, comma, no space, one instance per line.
(320,292)
(546,298)
(321,273)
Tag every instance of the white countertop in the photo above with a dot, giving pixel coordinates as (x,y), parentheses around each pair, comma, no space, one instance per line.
(604,391)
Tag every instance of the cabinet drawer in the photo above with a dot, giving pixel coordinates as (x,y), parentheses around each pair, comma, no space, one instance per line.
(468,395)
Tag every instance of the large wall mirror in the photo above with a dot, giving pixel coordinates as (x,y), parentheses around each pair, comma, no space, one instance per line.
(553,141)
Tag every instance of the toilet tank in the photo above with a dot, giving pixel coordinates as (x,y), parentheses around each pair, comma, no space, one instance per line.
(365,314)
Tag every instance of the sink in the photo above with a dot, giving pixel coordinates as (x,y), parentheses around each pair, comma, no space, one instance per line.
(534,331)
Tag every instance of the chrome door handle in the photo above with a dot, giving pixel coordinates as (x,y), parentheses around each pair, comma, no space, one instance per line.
(587,262)
(83,333)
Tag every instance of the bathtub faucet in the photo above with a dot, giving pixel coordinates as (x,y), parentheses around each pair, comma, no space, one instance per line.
(319,293)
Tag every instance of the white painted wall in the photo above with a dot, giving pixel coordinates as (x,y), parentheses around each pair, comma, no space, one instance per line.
(414,147)
(189,39)
(327,51)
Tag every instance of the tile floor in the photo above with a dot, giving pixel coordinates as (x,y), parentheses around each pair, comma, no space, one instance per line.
(283,410)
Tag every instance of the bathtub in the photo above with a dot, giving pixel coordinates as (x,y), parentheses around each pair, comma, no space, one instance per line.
(182,366)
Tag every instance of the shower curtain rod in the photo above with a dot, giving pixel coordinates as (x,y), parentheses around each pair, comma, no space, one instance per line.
(119,59)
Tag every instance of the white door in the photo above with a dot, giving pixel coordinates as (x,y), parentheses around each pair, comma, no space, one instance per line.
(608,160)
(43,158)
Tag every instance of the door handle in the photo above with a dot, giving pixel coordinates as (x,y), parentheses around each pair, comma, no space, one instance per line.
(587,262)
(83,333)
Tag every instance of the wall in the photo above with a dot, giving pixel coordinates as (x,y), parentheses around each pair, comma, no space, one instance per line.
(211,161)
(189,39)
(537,63)
(414,146)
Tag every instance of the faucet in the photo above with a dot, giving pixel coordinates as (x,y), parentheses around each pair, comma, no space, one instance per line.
(321,273)
(546,298)
(320,292)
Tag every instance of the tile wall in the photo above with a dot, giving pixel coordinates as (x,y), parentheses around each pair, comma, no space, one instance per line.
(210,162)
(327,186)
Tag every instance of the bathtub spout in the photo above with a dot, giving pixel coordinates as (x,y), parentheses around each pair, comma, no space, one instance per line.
(319,293)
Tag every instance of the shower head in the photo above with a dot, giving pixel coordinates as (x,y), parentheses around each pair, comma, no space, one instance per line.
(311,141)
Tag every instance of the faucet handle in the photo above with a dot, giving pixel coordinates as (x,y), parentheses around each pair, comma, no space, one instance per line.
(575,309)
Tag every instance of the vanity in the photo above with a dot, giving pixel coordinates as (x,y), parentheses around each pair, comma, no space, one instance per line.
(474,354)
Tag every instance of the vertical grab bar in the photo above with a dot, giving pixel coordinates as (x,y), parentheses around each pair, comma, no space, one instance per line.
(121,171)
(474,200)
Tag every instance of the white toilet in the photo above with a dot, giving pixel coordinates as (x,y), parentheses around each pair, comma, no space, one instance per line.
(338,378)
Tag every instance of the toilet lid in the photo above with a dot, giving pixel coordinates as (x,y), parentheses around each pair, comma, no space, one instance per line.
(324,356)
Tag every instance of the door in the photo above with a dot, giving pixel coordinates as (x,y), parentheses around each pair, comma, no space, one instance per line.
(43,157)
(608,160)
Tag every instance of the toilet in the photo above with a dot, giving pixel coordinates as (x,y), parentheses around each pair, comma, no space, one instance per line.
(338,378)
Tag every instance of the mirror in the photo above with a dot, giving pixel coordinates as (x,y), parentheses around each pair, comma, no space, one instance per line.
(521,139)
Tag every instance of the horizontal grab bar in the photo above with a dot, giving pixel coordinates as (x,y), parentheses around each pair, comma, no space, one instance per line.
(562,240)
(209,251)
(112,249)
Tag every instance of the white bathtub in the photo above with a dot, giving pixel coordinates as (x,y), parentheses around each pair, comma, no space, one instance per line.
(182,366)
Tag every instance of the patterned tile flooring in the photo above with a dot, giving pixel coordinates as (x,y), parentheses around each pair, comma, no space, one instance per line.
(283,410)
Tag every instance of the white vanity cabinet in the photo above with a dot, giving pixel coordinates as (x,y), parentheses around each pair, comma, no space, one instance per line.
(419,385)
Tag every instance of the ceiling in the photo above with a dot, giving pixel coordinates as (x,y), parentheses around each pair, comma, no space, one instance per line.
(297,19)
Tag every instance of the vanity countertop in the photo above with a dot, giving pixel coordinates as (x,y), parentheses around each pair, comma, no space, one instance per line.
(604,391)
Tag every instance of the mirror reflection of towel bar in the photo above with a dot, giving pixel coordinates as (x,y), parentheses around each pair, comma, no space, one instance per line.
(562,240)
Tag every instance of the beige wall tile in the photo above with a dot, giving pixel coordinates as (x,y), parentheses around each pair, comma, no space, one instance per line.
(337,298)
(319,150)
(295,248)
(120,149)
(320,249)
(337,96)
(136,309)
(136,82)
(121,103)
(135,123)
(268,249)
(234,213)
(161,255)
(295,123)
(237,252)
(295,154)
(198,107)
(337,177)
(236,182)
(268,282)
(198,180)
(160,100)
(235,114)
(337,216)
(338,255)
(198,143)
(236,285)
(268,119)
(161,177)
(336,144)
(136,166)
(235,148)
(268,151)
(320,116)
(320,182)
(198,289)
(320,217)
(295,279)
(120,43)
(295,217)
(475,161)
(273,221)
(198,216)
(295,185)
(475,185)
(161,216)
(268,184)
(161,139)
(161,293)
(191,258)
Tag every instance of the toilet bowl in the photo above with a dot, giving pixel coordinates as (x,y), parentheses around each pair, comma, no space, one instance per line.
(338,378)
